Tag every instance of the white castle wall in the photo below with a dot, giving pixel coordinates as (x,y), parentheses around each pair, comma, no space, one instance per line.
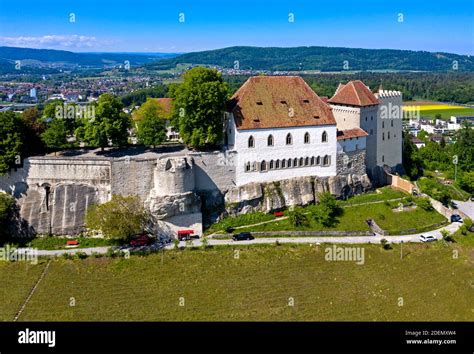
(279,150)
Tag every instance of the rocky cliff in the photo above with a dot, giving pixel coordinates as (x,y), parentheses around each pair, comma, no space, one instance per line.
(274,196)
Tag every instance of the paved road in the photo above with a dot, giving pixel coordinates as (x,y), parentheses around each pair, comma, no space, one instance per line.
(466,207)
(270,240)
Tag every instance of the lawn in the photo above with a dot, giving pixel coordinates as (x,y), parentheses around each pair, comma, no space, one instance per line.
(56,242)
(353,219)
(214,285)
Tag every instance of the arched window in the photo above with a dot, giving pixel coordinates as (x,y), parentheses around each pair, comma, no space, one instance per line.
(295,162)
(283,163)
(251,142)
(255,166)
(326,160)
(313,161)
(277,164)
(247,167)
(263,166)
(388,135)
(270,140)
(306,138)
(301,161)
(318,160)
(289,163)
(272,165)
(306,161)
(391,123)
(324,137)
(383,136)
(289,139)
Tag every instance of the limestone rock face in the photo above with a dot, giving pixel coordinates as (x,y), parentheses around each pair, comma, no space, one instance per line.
(300,191)
(163,207)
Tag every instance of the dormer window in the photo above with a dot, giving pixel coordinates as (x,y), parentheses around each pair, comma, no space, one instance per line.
(259,103)
(283,102)
(305,101)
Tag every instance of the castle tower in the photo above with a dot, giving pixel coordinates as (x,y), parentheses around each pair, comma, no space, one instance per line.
(173,175)
(389,127)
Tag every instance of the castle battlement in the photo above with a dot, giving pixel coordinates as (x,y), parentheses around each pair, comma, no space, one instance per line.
(388,93)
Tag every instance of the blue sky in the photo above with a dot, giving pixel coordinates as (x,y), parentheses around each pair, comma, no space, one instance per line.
(153,25)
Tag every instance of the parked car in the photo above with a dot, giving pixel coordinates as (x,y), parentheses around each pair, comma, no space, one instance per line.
(456,218)
(243,236)
(141,240)
(184,235)
(427,238)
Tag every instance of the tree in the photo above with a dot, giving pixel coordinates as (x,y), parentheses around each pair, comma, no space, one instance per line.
(467,181)
(464,147)
(425,204)
(33,128)
(55,136)
(10,140)
(109,124)
(297,218)
(409,157)
(198,106)
(7,213)
(121,218)
(327,209)
(151,123)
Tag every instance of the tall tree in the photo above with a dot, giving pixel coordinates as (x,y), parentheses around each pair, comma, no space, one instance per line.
(198,107)
(55,136)
(109,124)
(151,123)
(464,147)
(10,140)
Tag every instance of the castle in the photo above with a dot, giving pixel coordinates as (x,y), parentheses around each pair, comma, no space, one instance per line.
(283,145)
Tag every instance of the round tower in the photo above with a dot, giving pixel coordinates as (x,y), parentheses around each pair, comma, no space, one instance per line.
(174,175)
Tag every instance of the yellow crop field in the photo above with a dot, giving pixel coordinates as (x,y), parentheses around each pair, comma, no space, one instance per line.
(430,107)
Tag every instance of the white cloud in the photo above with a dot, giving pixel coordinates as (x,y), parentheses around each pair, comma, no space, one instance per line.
(52,41)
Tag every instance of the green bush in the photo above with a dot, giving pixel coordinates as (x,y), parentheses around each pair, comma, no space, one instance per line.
(385,244)
(120,219)
(81,255)
(298,218)
(425,204)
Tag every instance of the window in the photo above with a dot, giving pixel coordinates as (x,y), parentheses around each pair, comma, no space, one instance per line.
(295,162)
(251,142)
(366,119)
(283,163)
(318,160)
(383,136)
(383,124)
(391,123)
(388,135)
(357,146)
(254,166)
(277,164)
(371,117)
(326,160)
(306,161)
(371,131)
(289,162)
(324,137)
(313,161)
(272,165)
(247,167)
(301,162)
(263,166)
(306,138)
(289,139)
(270,140)
(349,165)
(383,158)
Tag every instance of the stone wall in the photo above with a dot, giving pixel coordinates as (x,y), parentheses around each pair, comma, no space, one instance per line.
(269,197)
(132,176)
(214,171)
(351,162)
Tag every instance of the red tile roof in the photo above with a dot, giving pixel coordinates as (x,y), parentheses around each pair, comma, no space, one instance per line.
(351,133)
(354,93)
(278,102)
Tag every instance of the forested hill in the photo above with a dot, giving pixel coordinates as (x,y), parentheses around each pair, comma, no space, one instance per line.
(321,58)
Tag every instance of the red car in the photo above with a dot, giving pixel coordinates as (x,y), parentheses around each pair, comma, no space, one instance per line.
(141,240)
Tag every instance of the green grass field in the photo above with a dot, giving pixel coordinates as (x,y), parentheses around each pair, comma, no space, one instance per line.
(353,219)
(214,285)
(447,113)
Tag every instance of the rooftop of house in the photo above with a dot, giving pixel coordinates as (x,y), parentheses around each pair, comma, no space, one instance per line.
(278,102)
(354,93)
(415,140)
(351,133)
